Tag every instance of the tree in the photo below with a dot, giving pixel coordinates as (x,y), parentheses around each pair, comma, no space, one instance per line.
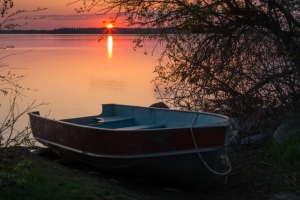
(10,89)
(240,58)
(11,20)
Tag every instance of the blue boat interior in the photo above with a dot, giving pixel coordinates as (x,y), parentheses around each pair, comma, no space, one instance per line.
(124,117)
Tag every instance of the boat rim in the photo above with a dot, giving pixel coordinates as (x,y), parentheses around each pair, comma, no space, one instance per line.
(223,124)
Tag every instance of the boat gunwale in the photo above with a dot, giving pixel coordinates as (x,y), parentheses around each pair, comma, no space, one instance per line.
(171,110)
(223,124)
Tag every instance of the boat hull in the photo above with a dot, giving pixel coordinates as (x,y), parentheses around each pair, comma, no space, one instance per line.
(167,154)
(179,168)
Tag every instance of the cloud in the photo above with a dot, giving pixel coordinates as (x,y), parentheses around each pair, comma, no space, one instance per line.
(72,17)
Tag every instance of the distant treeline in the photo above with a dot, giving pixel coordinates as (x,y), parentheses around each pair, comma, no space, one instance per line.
(78,31)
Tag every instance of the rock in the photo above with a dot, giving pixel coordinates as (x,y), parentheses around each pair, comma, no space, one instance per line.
(292,127)
(63,161)
(173,190)
(41,151)
(159,105)
(237,140)
(113,181)
(5,161)
(19,149)
(93,173)
(285,196)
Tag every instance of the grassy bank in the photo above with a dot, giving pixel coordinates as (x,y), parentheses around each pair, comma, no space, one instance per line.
(26,176)
(262,170)
(258,172)
(32,183)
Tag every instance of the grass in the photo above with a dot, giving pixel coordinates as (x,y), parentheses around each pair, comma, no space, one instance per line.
(285,156)
(258,172)
(27,178)
(287,151)
(43,186)
(261,170)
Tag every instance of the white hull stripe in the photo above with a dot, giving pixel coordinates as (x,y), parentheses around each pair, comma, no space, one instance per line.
(173,153)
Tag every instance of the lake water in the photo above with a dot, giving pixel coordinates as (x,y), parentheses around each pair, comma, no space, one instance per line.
(75,74)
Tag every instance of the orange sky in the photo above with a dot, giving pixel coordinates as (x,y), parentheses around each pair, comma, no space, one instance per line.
(58,15)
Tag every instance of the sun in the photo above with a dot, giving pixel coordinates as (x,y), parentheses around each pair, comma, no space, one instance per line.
(109,26)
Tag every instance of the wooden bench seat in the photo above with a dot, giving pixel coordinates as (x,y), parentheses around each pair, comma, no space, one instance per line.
(146,126)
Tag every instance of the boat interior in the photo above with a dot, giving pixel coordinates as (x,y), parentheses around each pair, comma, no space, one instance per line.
(125,117)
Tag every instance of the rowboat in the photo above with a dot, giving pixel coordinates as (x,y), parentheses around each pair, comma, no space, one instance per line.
(178,146)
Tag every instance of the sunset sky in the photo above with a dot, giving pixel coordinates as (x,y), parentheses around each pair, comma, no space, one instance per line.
(58,15)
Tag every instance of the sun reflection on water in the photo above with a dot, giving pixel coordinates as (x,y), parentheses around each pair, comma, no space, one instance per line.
(109,47)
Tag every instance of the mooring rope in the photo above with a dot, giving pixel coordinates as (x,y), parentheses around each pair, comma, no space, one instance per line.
(223,157)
